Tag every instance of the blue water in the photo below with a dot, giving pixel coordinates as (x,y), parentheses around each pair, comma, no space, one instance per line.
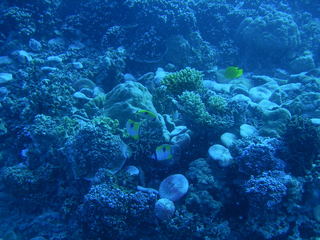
(159,120)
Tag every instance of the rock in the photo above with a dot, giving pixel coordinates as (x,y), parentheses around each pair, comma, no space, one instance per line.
(302,63)
(228,139)
(220,154)
(259,93)
(87,91)
(5,78)
(97,91)
(315,121)
(174,187)
(82,97)
(218,87)
(54,60)
(77,65)
(178,130)
(3,93)
(35,45)
(159,76)
(47,69)
(248,131)
(274,121)
(267,105)
(164,209)
(279,35)
(3,129)
(271,85)
(5,60)
(241,98)
(124,100)
(77,45)
(56,44)
(239,89)
(83,83)
(307,103)
(132,171)
(261,79)
(129,77)
(22,56)
(181,141)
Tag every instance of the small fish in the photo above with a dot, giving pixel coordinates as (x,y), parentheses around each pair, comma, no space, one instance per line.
(163,153)
(233,72)
(146,114)
(133,129)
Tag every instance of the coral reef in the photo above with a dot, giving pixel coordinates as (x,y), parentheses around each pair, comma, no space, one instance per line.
(119,119)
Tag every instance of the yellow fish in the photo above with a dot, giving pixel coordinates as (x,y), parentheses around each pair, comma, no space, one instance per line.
(146,114)
(233,72)
(163,152)
(133,129)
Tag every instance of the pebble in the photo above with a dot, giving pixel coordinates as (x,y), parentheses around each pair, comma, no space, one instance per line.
(174,187)
(228,139)
(5,60)
(178,130)
(315,121)
(132,170)
(22,56)
(5,78)
(35,45)
(220,154)
(54,60)
(248,131)
(302,63)
(259,93)
(182,140)
(81,96)
(47,69)
(267,105)
(219,87)
(3,93)
(77,65)
(164,209)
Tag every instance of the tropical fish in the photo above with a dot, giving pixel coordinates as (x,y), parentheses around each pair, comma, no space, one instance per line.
(233,72)
(163,152)
(133,129)
(146,114)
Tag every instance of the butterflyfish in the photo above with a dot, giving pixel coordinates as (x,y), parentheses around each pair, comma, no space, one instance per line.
(233,72)
(146,114)
(133,129)
(163,152)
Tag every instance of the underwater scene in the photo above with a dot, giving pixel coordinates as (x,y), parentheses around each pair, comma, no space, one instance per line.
(159,120)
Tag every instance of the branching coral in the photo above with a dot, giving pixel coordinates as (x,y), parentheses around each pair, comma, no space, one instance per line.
(187,79)
(194,108)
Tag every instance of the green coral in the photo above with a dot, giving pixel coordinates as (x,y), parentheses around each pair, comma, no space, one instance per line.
(196,111)
(194,108)
(187,79)
(216,105)
(108,124)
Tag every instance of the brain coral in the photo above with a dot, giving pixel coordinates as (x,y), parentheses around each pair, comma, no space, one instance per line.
(92,148)
(273,33)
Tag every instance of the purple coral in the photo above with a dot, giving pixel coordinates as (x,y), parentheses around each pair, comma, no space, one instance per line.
(111,211)
(174,187)
(266,190)
(259,157)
